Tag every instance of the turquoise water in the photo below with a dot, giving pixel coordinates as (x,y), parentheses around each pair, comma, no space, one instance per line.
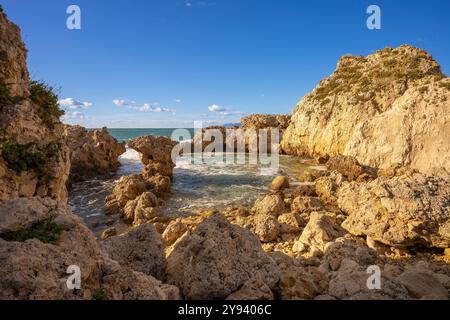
(128,134)
(207,184)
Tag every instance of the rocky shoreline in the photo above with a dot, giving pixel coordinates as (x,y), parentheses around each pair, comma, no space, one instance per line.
(380,126)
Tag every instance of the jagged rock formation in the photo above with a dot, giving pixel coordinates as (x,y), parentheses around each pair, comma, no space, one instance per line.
(92,153)
(135,196)
(405,210)
(246,138)
(265,121)
(217,259)
(34,160)
(389,107)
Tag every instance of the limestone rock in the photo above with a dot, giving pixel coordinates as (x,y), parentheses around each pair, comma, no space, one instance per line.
(272,204)
(216,259)
(349,167)
(385,108)
(405,210)
(264,121)
(140,249)
(306,204)
(266,227)
(13,56)
(253,289)
(174,230)
(321,229)
(328,185)
(92,152)
(423,285)
(280,183)
(127,188)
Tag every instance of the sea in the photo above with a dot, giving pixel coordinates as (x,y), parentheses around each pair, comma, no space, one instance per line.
(199,183)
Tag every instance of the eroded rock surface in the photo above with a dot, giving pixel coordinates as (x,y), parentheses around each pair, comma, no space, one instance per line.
(217,259)
(92,152)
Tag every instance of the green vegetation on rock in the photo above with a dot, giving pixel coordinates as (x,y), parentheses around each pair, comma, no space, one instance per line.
(45,97)
(5,95)
(24,157)
(45,231)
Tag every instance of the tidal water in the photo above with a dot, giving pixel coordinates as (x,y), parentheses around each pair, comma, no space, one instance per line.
(197,185)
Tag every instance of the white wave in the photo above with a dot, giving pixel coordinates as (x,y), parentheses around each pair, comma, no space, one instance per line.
(130,154)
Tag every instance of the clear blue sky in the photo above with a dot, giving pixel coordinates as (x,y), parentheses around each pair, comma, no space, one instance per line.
(172,59)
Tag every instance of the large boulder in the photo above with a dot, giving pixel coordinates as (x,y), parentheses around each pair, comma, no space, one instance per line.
(140,249)
(321,229)
(40,238)
(388,107)
(92,152)
(406,210)
(216,259)
(271,204)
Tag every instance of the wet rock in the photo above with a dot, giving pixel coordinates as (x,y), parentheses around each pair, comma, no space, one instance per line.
(216,259)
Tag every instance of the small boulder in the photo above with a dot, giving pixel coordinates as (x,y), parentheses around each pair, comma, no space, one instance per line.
(280,183)
(271,204)
(266,227)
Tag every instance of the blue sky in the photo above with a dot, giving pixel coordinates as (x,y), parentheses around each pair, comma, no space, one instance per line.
(167,63)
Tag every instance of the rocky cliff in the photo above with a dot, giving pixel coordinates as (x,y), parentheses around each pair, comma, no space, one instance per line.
(34,160)
(389,107)
(92,153)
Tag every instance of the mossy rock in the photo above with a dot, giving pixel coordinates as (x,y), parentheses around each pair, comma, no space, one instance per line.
(45,231)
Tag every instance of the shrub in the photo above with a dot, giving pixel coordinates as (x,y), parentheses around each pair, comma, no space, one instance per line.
(5,95)
(45,97)
(45,231)
(23,157)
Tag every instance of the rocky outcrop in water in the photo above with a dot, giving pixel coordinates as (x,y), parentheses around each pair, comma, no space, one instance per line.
(92,152)
(135,196)
(245,138)
(389,107)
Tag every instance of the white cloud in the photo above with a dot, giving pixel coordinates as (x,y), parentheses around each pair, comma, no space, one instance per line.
(122,102)
(74,115)
(178,100)
(74,104)
(224,111)
(147,107)
(216,108)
